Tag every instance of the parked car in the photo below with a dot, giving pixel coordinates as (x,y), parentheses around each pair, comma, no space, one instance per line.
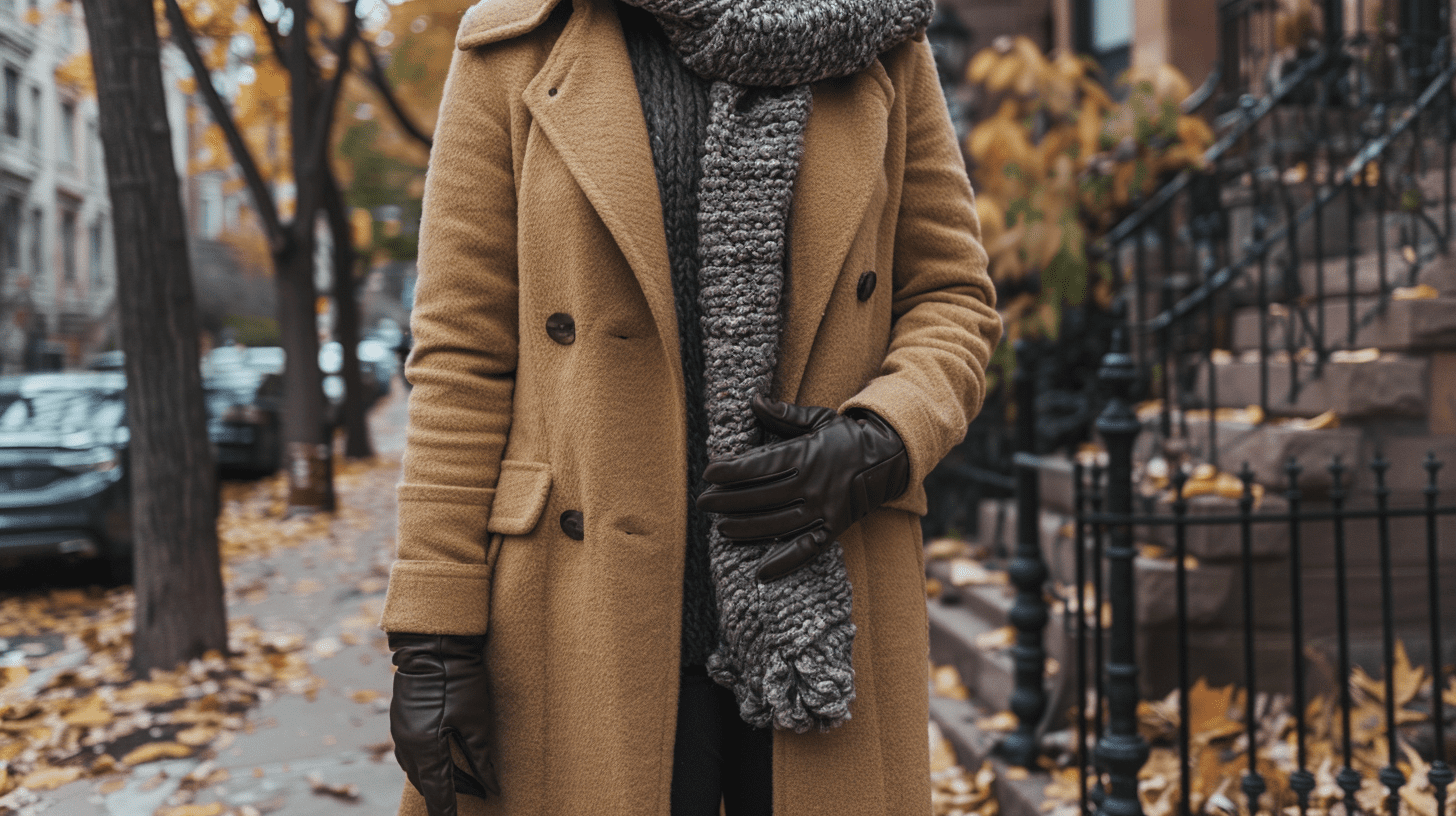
(107,361)
(376,369)
(64,481)
(244,390)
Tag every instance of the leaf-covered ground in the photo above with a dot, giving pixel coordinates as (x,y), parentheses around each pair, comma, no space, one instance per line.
(1219,744)
(293,720)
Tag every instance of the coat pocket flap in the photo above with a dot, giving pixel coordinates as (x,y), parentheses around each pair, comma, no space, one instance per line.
(520,496)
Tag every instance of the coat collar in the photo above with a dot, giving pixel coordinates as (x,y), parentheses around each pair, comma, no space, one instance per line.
(585,101)
(491,21)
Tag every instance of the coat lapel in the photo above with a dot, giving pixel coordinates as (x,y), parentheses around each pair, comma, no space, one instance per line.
(844,157)
(585,101)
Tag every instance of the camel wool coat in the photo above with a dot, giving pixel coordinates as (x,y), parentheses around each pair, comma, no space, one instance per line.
(541,205)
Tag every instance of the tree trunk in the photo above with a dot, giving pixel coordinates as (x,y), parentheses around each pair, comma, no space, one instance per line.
(346,322)
(306,430)
(179,595)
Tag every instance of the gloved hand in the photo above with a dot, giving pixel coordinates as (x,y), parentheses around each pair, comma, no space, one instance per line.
(440,696)
(803,492)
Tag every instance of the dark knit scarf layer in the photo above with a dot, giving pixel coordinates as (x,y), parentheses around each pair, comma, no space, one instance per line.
(785,646)
(675,105)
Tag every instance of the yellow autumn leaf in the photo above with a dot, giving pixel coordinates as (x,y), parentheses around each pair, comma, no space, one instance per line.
(198,735)
(13,675)
(966,572)
(1001,721)
(946,682)
(153,751)
(1004,73)
(92,713)
(1367,355)
(945,548)
(1208,710)
(942,755)
(1000,638)
(209,809)
(1329,419)
(76,72)
(49,778)
(364,696)
(1423,291)
(981,65)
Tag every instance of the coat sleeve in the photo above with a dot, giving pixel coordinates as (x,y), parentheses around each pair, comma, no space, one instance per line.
(463,364)
(933,379)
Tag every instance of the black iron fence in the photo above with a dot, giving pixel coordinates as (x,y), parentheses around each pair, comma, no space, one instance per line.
(1119,506)
(1328,192)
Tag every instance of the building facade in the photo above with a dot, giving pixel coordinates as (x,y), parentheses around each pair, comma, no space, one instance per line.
(57,285)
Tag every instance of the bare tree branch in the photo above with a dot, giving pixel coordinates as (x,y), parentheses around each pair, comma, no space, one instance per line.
(328,104)
(257,185)
(375,74)
(274,38)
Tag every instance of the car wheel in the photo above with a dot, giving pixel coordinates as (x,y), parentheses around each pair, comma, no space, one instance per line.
(119,567)
(268,454)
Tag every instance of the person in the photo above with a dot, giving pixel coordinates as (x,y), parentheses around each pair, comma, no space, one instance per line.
(701,301)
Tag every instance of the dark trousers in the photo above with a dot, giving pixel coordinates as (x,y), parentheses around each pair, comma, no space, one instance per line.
(718,758)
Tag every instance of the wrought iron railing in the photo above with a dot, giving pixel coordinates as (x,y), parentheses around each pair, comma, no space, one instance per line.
(1345,164)
(1110,521)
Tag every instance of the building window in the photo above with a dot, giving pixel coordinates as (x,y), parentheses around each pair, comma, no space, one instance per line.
(210,205)
(93,153)
(96,249)
(10,215)
(1102,29)
(12,102)
(68,27)
(68,132)
(37,243)
(68,245)
(34,116)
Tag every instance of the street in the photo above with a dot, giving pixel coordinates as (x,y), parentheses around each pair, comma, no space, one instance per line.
(305,596)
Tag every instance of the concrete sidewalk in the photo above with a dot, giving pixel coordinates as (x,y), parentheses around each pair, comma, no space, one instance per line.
(299,756)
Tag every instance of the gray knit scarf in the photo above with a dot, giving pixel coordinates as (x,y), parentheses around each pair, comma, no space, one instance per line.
(786,646)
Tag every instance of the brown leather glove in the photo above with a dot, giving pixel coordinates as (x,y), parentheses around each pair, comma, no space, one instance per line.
(800,494)
(440,697)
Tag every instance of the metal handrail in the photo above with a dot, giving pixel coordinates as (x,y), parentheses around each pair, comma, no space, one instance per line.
(1165,195)
(1256,249)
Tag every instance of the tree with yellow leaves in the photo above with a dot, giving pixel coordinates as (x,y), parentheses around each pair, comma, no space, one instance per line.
(1058,163)
(296,55)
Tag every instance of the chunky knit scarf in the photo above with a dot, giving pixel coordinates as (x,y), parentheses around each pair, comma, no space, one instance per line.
(786,645)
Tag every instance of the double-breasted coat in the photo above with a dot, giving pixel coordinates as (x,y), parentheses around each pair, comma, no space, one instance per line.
(542,501)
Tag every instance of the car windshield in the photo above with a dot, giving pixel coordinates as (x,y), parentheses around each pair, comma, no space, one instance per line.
(61,404)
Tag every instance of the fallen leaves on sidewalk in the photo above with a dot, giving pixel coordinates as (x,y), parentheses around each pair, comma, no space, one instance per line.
(70,708)
(78,713)
(348,793)
(954,791)
(1218,752)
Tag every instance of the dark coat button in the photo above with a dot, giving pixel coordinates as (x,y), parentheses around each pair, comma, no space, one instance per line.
(573,524)
(561,328)
(866,288)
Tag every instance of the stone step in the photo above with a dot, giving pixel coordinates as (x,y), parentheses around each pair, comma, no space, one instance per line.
(1393,386)
(988,674)
(1438,271)
(1403,325)
(1016,794)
